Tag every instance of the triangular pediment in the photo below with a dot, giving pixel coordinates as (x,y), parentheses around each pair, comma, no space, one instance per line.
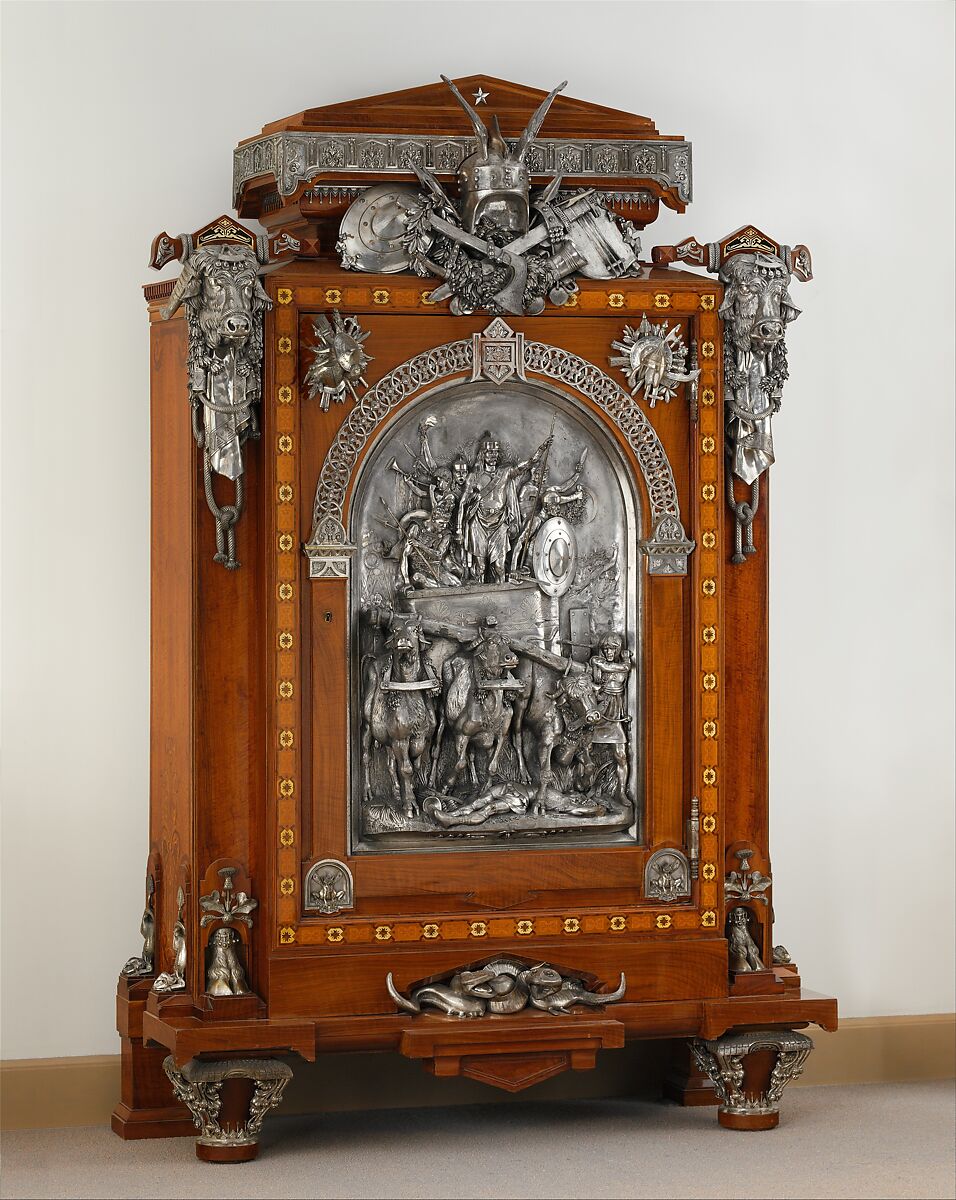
(357,143)
(431,108)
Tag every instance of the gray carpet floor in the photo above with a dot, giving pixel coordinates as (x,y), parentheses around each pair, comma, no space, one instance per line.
(865,1141)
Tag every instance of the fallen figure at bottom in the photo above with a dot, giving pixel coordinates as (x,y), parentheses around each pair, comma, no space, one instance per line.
(509,796)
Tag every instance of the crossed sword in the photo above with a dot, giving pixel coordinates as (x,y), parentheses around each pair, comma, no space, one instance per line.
(511,297)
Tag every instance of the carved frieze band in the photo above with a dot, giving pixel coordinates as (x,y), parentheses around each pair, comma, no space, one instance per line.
(295,158)
(328,550)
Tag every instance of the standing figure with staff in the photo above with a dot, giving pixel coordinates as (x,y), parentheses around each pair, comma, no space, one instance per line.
(489,517)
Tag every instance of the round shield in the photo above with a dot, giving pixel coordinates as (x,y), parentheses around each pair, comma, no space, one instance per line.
(372,229)
(554,555)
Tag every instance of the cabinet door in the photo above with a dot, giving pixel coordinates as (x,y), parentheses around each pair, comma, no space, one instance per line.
(496,669)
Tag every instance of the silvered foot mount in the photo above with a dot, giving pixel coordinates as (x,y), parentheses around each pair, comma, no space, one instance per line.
(750,1071)
(229,1100)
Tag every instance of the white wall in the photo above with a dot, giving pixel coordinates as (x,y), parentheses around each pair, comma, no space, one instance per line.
(825,124)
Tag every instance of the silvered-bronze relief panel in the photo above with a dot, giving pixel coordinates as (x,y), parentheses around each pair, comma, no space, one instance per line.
(496,657)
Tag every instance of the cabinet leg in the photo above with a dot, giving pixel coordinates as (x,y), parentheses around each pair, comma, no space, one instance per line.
(147,1107)
(684,1082)
(229,1101)
(750,1071)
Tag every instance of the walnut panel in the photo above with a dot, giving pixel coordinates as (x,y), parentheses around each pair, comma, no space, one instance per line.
(172,624)
(355,984)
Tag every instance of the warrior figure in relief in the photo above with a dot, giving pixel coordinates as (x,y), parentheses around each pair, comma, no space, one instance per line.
(610,668)
(488,514)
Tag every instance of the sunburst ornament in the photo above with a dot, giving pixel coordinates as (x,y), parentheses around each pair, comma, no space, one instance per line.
(653,359)
(340,359)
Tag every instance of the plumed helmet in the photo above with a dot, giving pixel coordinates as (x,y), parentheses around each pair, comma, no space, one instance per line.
(494,182)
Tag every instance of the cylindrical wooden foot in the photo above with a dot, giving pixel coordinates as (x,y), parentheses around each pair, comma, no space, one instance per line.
(227,1154)
(754,1121)
(235,1095)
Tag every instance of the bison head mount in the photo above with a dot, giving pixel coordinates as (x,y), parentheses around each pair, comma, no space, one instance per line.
(221,292)
(756,309)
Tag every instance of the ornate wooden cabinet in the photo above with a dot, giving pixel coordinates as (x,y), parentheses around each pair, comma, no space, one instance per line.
(459,619)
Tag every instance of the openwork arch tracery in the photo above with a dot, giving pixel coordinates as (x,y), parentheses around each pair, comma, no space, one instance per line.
(328,549)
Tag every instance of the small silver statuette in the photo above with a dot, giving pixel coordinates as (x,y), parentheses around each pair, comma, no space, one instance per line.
(224,973)
(743,950)
(756,311)
(142,965)
(175,980)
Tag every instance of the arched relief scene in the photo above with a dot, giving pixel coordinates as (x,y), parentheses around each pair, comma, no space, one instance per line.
(495,623)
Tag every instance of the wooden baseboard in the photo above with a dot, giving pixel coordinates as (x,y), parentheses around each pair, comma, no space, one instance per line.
(884,1050)
(49,1093)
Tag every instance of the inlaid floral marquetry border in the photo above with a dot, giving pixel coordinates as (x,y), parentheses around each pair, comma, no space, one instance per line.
(606,300)
(284,629)
(343,932)
(708,481)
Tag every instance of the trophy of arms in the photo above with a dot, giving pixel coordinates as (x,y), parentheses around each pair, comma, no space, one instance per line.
(496,246)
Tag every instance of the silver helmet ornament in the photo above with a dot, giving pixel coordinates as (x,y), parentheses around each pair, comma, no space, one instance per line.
(494,183)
